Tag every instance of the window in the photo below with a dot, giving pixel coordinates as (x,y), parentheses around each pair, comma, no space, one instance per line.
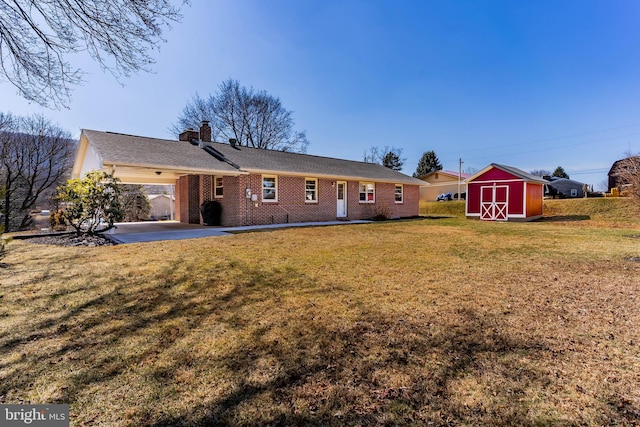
(310,190)
(574,192)
(269,188)
(399,193)
(367,192)
(218,191)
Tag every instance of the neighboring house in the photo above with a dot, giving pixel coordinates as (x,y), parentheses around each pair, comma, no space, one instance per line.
(615,181)
(162,206)
(565,188)
(504,193)
(252,186)
(442,181)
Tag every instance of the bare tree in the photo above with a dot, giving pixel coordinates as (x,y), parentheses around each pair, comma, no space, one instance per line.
(37,37)
(627,174)
(390,157)
(253,118)
(35,156)
(373,155)
(470,170)
(540,172)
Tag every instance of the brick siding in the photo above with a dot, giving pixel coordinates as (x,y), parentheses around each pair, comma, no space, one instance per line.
(290,206)
(187,199)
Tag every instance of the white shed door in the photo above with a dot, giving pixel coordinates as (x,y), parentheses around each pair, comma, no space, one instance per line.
(494,202)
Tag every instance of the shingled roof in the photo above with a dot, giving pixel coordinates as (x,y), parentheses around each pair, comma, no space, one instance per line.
(513,171)
(218,158)
(130,150)
(520,173)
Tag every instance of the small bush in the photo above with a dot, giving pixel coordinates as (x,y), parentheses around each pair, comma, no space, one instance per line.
(381,213)
(57,221)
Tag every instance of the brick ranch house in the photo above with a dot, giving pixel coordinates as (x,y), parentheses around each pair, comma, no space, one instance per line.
(252,186)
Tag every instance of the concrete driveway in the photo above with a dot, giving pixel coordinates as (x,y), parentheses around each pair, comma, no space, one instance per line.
(134,232)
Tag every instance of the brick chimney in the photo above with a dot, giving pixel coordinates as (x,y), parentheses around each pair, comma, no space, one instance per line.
(205,131)
(189,135)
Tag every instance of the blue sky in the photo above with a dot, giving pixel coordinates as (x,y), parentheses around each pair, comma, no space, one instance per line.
(533,84)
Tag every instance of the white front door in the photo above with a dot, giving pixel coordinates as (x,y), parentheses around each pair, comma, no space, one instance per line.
(341,207)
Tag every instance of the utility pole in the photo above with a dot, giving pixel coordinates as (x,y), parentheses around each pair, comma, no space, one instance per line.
(460,162)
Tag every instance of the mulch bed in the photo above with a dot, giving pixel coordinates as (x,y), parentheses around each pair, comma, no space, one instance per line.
(73,240)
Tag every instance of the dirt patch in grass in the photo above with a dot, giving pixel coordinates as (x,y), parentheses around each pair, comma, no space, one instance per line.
(448,322)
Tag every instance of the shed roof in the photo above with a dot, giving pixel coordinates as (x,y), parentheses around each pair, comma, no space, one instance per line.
(513,171)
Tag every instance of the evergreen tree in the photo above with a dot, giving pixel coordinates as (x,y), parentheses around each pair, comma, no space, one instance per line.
(427,164)
(393,161)
(135,203)
(560,173)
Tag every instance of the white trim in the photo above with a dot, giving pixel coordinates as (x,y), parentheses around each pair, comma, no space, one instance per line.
(510,215)
(491,210)
(401,201)
(524,198)
(408,181)
(262,188)
(491,181)
(366,192)
(315,190)
(346,205)
(215,187)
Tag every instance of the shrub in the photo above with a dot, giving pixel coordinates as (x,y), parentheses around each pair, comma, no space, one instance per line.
(91,204)
(57,221)
(381,213)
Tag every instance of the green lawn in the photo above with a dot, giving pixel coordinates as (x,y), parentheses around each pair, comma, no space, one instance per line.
(422,322)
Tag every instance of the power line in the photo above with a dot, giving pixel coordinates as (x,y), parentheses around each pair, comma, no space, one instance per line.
(587,171)
(557,147)
(550,139)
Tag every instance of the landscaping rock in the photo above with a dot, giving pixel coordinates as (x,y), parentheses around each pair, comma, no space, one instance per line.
(73,240)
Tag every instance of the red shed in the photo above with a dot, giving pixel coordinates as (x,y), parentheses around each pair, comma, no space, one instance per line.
(504,193)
